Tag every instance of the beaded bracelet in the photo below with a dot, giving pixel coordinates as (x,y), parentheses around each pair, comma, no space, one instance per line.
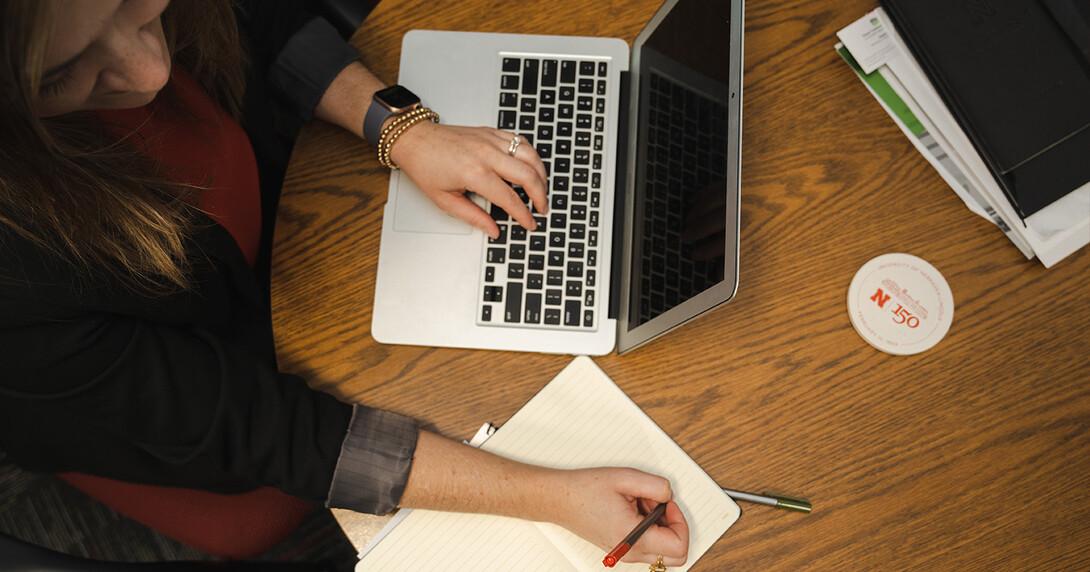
(393,131)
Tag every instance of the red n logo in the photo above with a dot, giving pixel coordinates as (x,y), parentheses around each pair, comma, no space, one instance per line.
(880,297)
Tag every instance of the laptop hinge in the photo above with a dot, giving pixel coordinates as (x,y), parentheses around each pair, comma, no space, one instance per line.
(619,188)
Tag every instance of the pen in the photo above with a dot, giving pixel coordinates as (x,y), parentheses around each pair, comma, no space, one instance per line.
(622,548)
(769,499)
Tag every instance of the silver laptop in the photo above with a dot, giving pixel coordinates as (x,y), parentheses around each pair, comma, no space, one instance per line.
(642,151)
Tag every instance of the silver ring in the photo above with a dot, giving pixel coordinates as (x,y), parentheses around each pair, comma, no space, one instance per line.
(514,147)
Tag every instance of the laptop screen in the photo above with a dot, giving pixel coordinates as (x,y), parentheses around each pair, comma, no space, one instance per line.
(681,196)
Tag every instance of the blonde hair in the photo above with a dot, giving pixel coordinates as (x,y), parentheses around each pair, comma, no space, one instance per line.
(75,188)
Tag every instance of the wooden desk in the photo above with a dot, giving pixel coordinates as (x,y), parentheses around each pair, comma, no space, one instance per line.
(974,454)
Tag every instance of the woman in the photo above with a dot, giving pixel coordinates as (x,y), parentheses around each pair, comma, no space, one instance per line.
(135,332)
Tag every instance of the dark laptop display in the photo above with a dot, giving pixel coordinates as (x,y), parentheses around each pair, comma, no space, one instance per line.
(683,199)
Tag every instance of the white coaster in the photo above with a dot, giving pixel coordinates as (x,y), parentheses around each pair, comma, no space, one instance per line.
(900,304)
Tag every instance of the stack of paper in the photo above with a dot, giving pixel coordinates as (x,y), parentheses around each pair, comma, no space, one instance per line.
(879,56)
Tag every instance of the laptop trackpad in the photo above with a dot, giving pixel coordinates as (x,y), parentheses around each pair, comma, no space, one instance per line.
(414,212)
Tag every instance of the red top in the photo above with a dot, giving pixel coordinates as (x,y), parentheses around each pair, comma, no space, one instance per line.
(206,148)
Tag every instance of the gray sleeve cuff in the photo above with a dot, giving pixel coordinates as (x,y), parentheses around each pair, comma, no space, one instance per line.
(374,463)
(307,65)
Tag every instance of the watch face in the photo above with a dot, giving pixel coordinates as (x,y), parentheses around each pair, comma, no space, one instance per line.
(397,98)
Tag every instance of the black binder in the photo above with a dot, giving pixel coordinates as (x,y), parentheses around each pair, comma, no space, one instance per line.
(1016,76)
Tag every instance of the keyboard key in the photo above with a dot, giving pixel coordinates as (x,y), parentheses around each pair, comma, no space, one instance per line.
(554,277)
(591,278)
(554,297)
(584,103)
(588,298)
(486,313)
(533,308)
(536,262)
(567,71)
(512,310)
(573,289)
(493,293)
(588,318)
(515,271)
(557,239)
(565,111)
(556,258)
(529,77)
(508,119)
(575,269)
(603,69)
(537,243)
(548,96)
(511,65)
(535,281)
(508,99)
(571,313)
(528,105)
(552,316)
(586,68)
(501,238)
(496,255)
(489,273)
(566,93)
(585,86)
(517,251)
(549,70)
(498,214)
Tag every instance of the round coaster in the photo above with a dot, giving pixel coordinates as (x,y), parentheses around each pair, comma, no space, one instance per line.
(900,304)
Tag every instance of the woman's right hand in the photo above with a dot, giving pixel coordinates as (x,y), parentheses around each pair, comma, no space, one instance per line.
(603,505)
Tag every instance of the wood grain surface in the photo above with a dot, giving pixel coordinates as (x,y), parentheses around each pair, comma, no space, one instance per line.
(973,455)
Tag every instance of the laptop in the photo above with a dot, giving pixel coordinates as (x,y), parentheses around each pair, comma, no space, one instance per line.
(642,149)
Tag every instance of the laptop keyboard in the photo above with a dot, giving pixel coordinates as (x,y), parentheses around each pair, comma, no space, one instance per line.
(548,278)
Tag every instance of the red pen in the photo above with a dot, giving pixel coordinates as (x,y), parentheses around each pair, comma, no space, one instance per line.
(621,549)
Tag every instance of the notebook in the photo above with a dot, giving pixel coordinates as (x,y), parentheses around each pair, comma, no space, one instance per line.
(579,419)
(642,150)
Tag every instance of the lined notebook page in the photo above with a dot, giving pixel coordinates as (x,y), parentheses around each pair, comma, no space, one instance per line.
(580,419)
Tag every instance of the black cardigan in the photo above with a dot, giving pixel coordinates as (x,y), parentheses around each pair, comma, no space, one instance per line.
(183,390)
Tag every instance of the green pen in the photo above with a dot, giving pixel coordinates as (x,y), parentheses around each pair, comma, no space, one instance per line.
(773,500)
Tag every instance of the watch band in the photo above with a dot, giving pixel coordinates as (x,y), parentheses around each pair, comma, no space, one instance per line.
(393,100)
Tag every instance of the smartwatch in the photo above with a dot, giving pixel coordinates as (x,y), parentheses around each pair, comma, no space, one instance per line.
(393,100)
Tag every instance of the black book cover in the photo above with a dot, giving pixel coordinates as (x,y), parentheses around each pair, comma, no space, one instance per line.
(1016,76)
